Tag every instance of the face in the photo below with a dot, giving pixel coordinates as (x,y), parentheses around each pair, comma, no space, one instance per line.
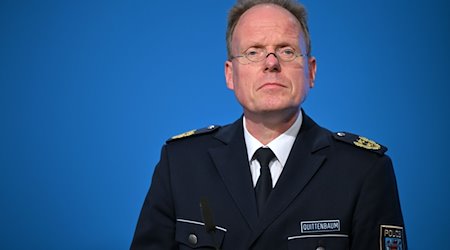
(270,85)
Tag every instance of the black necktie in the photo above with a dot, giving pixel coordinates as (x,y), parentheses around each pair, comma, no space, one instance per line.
(264,183)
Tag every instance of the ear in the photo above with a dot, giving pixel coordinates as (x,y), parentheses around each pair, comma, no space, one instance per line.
(312,65)
(229,74)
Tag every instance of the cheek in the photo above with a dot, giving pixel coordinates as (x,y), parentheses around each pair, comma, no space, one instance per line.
(301,85)
(242,89)
(243,81)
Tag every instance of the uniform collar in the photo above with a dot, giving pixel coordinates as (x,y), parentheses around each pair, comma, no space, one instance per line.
(281,146)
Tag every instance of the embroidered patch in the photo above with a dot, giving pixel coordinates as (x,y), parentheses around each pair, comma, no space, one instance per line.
(186,134)
(363,142)
(320,226)
(201,131)
(391,237)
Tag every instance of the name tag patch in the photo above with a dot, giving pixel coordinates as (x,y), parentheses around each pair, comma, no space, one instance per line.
(319,226)
(391,237)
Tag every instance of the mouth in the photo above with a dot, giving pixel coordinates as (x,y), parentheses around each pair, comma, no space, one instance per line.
(271,85)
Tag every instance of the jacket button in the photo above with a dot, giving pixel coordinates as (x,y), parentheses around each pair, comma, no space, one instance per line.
(192,239)
(320,248)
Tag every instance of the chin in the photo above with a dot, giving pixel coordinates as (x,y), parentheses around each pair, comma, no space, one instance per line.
(278,106)
(278,110)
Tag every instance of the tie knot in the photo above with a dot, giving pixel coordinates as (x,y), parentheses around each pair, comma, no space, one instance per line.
(264,156)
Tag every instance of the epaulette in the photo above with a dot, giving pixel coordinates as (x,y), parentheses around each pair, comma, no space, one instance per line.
(201,131)
(360,141)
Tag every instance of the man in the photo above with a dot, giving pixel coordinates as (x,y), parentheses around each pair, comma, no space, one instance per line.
(273,179)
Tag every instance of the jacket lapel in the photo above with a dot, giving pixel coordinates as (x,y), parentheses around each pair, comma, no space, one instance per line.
(232,163)
(302,164)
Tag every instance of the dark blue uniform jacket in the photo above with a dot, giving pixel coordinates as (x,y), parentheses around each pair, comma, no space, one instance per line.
(333,193)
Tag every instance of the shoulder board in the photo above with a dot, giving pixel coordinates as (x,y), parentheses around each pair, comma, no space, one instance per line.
(360,141)
(201,131)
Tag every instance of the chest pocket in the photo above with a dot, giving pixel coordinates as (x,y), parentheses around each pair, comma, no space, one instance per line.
(192,235)
(319,242)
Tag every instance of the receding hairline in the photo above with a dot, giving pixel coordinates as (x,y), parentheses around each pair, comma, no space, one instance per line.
(292,17)
(296,9)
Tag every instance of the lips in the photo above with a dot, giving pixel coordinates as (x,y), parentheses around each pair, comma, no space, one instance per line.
(271,85)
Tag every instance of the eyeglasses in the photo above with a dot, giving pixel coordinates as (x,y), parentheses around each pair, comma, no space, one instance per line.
(285,54)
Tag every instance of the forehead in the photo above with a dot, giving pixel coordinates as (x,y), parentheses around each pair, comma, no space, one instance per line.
(266,23)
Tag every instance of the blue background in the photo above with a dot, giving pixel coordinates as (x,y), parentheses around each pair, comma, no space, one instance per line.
(90,90)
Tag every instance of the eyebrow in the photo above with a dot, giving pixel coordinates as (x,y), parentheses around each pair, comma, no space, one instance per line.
(253,45)
(279,45)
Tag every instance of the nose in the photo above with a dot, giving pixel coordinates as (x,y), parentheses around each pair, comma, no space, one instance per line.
(272,64)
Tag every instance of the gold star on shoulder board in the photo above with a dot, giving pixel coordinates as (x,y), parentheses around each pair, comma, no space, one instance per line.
(366,143)
(360,141)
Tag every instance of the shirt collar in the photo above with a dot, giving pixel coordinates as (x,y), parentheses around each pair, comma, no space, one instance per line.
(281,146)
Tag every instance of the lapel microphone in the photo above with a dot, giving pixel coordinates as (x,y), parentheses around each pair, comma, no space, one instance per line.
(210,227)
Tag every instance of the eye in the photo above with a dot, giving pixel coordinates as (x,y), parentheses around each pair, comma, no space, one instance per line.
(252,52)
(289,52)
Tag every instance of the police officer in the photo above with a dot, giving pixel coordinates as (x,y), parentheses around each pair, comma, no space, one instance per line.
(273,179)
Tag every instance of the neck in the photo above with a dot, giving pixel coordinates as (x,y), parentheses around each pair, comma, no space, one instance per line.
(265,127)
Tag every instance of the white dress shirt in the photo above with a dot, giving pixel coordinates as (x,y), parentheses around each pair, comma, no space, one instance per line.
(280,146)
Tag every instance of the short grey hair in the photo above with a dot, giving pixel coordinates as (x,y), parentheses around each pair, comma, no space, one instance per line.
(241,6)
